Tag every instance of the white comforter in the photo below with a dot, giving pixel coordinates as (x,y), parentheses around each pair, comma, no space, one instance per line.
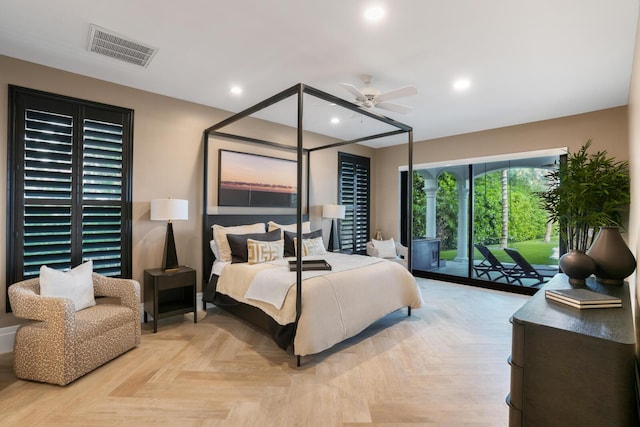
(336,305)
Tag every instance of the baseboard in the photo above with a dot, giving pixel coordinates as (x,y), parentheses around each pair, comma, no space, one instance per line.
(8,333)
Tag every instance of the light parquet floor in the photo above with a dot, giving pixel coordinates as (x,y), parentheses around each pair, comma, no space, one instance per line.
(443,366)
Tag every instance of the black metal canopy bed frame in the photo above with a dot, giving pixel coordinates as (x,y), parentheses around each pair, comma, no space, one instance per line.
(283,335)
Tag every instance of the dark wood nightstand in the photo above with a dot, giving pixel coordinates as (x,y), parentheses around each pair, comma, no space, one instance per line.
(169,293)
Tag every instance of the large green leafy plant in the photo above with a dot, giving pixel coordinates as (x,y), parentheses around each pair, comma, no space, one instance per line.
(587,191)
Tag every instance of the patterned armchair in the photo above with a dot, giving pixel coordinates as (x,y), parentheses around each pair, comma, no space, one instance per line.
(61,345)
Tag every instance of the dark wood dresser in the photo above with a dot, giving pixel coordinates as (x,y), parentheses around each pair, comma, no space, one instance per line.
(572,367)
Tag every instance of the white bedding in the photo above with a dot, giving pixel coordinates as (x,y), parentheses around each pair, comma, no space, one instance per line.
(335,306)
(272,285)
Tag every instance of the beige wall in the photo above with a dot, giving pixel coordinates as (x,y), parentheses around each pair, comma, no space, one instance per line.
(608,129)
(167,158)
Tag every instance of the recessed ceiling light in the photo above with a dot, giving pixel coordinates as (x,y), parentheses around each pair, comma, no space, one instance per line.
(335,120)
(236,90)
(462,84)
(374,13)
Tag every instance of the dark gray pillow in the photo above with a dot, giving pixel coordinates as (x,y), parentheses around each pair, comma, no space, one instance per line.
(238,243)
(289,247)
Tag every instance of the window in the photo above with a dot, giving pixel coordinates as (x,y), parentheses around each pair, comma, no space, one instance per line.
(353,192)
(69,183)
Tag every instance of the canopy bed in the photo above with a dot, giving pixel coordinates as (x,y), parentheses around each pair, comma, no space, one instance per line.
(332,305)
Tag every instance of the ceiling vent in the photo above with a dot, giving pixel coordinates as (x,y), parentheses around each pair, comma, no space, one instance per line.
(108,43)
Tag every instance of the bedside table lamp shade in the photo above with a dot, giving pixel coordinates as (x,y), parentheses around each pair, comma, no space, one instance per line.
(169,210)
(333,212)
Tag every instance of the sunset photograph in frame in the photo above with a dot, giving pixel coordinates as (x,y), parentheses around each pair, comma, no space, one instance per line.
(252,180)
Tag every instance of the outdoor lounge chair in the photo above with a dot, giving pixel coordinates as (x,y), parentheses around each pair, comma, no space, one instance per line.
(490,264)
(524,270)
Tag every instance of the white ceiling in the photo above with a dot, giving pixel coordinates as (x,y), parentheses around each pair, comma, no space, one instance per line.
(527,60)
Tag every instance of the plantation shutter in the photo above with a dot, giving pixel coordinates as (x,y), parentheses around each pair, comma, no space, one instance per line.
(48,183)
(102,196)
(353,193)
(70,185)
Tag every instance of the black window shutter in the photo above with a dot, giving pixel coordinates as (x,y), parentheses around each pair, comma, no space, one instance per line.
(69,185)
(354,193)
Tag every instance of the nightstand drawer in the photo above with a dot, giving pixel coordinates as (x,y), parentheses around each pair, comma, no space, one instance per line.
(176,280)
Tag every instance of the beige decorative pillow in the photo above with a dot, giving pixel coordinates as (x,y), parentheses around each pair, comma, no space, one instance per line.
(220,236)
(386,248)
(306,227)
(313,246)
(260,251)
(75,284)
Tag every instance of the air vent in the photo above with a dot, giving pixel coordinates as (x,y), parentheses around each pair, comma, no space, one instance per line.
(108,43)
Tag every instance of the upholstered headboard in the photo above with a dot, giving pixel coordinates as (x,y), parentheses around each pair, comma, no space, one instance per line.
(236,219)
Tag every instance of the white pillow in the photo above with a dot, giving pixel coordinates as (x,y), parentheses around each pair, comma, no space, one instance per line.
(386,248)
(306,227)
(220,236)
(259,251)
(75,284)
(313,246)
(214,249)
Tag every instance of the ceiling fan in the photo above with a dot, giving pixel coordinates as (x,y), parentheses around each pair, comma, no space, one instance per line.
(370,97)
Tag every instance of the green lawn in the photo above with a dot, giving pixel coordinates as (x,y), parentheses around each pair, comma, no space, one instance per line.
(534,251)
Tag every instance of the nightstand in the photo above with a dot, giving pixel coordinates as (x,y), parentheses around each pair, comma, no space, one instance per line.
(169,293)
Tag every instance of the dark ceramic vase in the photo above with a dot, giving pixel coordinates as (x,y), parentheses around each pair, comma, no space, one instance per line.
(614,260)
(578,266)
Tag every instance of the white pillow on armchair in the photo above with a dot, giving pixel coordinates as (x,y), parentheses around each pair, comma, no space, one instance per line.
(385,248)
(382,249)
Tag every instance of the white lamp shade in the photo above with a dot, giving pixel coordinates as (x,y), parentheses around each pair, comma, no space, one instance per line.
(169,209)
(333,211)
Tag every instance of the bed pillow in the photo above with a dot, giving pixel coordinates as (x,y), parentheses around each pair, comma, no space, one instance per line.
(220,236)
(214,249)
(313,246)
(306,227)
(75,284)
(290,236)
(386,248)
(264,251)
(238,243)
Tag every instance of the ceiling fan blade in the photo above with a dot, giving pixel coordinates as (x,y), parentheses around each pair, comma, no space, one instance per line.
(354,90)
(397,93)
(396,108)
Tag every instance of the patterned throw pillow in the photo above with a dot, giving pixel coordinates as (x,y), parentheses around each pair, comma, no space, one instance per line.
(260,251)
(313,246)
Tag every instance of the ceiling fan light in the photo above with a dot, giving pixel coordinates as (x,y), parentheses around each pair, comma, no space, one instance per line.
(374,13)
(462,84)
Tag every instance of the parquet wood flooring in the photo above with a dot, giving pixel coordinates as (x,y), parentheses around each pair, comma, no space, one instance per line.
(443,366)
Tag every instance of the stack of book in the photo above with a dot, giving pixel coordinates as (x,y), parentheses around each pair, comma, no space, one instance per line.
(582,298)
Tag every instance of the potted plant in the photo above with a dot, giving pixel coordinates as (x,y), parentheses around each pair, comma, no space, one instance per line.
(586,192)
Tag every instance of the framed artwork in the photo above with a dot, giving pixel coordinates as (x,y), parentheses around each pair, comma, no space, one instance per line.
(252,180)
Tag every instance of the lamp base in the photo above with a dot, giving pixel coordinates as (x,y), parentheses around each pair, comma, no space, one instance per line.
(170,257)
(334,240)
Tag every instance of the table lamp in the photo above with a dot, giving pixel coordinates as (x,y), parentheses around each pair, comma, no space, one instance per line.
(169,210)
(333,212)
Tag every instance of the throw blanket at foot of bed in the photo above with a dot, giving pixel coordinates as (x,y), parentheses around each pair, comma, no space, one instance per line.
(336,305)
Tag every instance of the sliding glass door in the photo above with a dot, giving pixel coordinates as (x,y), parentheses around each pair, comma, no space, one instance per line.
(483,223)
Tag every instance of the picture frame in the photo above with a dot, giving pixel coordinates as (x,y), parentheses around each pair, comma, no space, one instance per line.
(254,180)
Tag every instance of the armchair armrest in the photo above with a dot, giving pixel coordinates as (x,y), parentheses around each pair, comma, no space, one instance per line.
(371,250)
(27,303)
(126,289)
(402,250)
